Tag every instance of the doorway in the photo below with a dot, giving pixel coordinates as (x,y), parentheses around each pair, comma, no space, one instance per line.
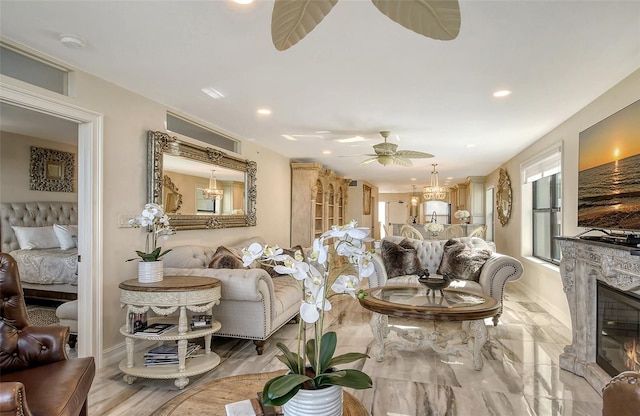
(90,139)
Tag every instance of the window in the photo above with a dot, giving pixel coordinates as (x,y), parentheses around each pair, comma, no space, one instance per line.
(33,70)
(543,175)
(547,218)
(191,129)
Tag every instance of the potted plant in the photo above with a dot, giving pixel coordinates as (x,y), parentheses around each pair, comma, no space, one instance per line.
(312,368)
(156,222)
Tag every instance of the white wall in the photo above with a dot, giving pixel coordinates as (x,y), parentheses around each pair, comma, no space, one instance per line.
(541,281)
(127,118)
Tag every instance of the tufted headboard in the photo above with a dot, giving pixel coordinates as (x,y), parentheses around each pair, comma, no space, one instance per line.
(33,214)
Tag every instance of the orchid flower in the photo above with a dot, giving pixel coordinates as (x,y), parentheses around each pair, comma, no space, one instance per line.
(250,254)
(297,269)
(346,284)
(320,251)
(314,301)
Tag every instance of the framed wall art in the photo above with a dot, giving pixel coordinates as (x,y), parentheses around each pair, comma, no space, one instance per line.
(366,199)
(51,170)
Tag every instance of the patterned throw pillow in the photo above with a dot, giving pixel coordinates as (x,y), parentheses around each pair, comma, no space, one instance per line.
(462,262)
(399,260)
(223,258)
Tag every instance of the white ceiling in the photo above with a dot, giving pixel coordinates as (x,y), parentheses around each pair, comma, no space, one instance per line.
(357,73)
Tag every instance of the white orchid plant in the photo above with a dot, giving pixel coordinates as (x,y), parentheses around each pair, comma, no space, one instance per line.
(157,224)
(314,274)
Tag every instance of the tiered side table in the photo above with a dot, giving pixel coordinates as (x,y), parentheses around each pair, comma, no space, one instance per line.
(175,293)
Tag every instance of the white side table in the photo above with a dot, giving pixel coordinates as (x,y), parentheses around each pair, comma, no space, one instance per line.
(174,293)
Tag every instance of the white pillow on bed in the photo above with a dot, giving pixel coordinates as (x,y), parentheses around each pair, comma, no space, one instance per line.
(36,237)
(65,234)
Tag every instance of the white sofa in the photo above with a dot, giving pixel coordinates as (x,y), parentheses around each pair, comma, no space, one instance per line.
(253,305)
(496,272)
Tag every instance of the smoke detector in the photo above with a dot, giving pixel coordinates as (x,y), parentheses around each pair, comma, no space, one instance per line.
(72,41)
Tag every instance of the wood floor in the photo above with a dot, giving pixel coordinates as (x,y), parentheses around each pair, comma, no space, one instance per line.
(521,375)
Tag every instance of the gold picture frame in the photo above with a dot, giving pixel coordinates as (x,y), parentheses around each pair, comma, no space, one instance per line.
(366,199)
(51,170)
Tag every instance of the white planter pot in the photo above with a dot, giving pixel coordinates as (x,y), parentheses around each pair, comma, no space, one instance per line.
(325,402)
(150,271)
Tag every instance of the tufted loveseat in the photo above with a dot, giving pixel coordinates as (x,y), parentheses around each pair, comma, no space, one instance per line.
(253,304)
(495,273)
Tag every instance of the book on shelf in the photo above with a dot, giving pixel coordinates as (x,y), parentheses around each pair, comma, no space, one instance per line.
(168,354)
(157,328)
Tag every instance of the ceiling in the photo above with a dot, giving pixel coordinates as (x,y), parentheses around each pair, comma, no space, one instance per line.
(356,73)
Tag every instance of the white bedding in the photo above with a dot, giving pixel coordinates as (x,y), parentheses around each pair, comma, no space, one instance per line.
(47,266)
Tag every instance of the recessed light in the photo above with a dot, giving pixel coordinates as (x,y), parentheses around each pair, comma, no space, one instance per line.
(323,132)
(413,179)
(471,145)
(351,140)
(72,41)
(502,93)
(450,178)
(264,111)
(213,93)
(326,152)
(289,137)
(243,1)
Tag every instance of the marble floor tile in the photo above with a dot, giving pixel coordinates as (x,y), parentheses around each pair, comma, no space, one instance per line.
(520,376)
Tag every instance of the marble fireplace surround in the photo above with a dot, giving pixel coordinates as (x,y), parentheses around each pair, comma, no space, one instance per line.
(583,263)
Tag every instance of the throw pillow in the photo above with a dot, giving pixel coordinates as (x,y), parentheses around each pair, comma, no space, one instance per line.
(30,238)
(462,262)
(223,258)
(65,234)
(399,260)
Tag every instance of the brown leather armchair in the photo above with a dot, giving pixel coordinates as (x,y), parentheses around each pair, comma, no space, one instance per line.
(621,395)
(37,376)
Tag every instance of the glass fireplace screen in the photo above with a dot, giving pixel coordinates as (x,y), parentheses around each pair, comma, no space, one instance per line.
(618,330)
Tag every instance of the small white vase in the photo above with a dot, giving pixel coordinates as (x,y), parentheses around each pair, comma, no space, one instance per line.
(150,271)
(325,402)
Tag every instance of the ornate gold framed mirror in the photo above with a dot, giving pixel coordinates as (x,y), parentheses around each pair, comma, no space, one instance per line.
(503,197)
(181,176)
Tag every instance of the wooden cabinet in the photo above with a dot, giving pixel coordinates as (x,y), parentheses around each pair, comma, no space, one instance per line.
(318,201)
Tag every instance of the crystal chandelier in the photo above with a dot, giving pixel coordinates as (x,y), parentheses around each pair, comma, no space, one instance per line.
(434,191)
(212,192)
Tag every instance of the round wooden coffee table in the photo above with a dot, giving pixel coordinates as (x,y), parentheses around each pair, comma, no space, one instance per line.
(211,397)
(469,307)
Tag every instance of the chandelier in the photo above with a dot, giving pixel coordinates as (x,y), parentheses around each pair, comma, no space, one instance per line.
(434,191)
(212,192)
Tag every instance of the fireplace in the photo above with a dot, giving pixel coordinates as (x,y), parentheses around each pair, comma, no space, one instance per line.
(618,330)
(584,266)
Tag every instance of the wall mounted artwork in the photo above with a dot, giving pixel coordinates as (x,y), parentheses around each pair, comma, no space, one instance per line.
(51,170)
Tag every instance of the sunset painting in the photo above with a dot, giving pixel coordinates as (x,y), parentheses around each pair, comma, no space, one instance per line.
(609,172)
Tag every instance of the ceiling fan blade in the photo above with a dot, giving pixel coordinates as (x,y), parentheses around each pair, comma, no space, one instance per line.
(436,19)
(366,162)
(413,154)
(292,20)
(402,161)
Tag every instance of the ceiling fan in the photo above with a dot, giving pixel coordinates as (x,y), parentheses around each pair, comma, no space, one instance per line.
(387,153)
(292,20)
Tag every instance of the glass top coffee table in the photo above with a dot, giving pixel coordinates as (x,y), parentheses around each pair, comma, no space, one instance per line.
(412,302)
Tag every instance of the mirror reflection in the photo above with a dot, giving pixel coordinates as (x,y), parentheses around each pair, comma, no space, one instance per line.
(205,191)
(200,187)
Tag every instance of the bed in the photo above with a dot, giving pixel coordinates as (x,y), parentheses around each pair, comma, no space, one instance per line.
(48,258)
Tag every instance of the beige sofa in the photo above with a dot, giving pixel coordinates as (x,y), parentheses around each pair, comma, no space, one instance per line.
(253,305)
(495,273)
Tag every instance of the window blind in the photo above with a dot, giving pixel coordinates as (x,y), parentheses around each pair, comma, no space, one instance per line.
(545,164)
